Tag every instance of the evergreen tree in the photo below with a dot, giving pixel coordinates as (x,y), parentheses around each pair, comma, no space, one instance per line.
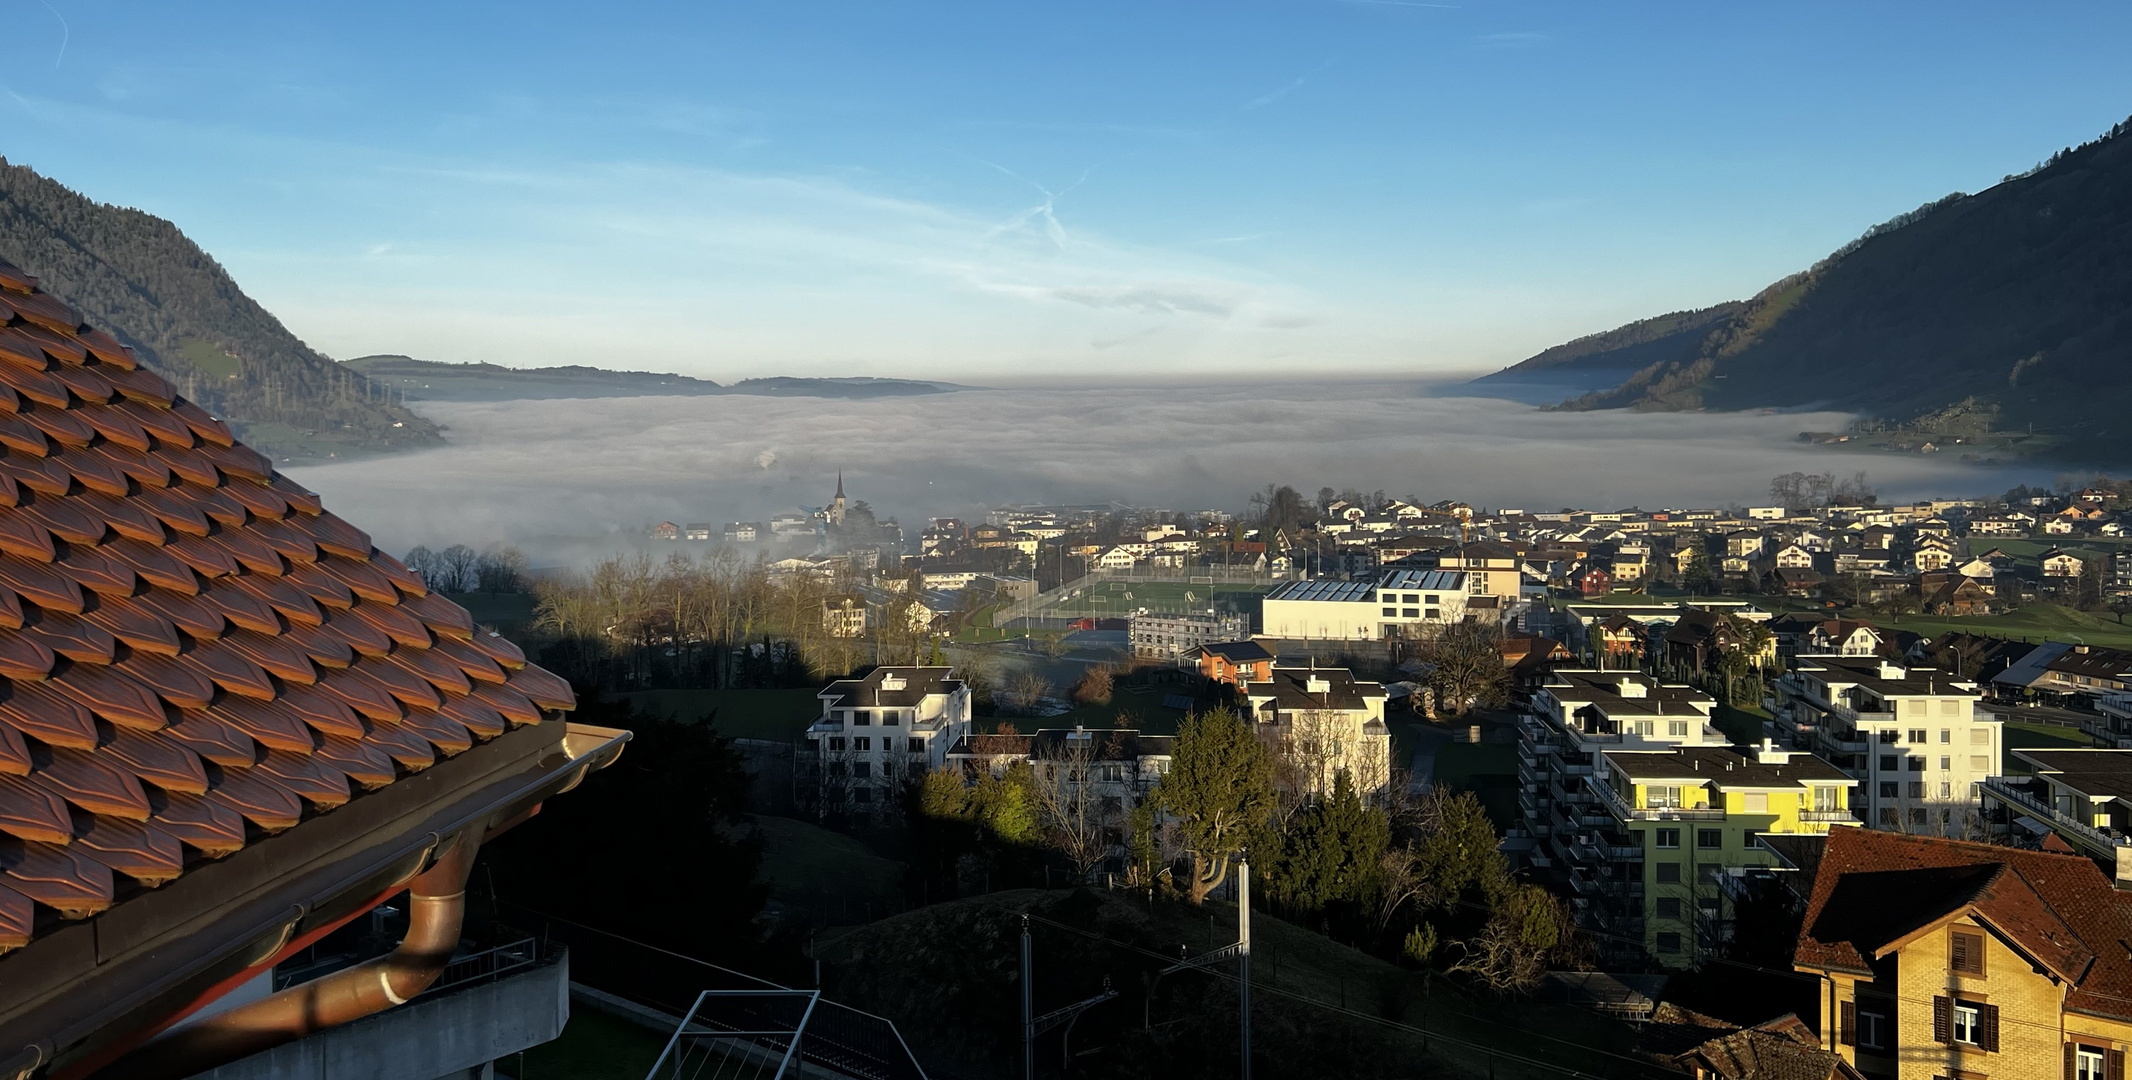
(1331,855)
(1220,791)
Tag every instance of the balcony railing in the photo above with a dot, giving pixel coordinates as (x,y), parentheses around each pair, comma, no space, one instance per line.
(1622,809)
(1827,815)
(2037,807)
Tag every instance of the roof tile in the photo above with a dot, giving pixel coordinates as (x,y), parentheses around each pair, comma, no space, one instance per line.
(192,649)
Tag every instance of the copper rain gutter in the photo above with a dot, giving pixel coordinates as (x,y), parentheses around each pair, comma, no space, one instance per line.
(436,900)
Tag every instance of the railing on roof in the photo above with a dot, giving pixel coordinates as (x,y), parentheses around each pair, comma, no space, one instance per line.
(1999,787)
(1621,807)
(783,1032)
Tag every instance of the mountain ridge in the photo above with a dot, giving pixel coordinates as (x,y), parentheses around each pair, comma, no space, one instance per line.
(434,380)
(140,278)
(1965,320)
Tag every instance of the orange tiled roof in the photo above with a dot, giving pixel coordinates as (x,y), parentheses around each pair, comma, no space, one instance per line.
(1874,888)
(193,652)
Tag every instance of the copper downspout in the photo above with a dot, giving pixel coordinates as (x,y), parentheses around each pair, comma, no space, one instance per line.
(436,900)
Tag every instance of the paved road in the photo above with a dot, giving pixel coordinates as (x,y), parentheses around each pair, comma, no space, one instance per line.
(1427,739)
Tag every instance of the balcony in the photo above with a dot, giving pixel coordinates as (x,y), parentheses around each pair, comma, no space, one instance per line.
(2072,827)
(1621,809)
(1838,816)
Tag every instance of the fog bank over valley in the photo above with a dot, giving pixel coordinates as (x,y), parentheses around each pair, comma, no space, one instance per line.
(566,478)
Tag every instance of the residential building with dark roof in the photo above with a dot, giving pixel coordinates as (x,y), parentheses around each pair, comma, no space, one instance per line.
(1319,721)
(228,725)
(2084,796)
(878,731)
(1942,957)
(1234,662)
(1693,816)
(1917,740)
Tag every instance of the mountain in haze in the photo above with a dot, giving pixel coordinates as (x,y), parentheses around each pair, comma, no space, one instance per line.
(430,380)
(2006,310)
(138,277)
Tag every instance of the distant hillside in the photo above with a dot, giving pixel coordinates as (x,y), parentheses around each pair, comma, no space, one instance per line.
(2001,310)
(137,276)
(429,380)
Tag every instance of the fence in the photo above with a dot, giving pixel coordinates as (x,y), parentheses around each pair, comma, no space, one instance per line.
(1210,576)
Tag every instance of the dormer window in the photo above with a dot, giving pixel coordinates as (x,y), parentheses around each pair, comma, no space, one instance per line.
(1317,685)
(893,682)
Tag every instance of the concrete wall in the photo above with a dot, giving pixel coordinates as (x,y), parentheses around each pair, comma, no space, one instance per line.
(453,1034)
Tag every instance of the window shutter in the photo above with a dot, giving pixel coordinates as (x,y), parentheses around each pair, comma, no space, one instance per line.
(1847,1026)
(1942,1020)
(2114,1064)
(2072,1061)
(1988,1028)
(1959,960)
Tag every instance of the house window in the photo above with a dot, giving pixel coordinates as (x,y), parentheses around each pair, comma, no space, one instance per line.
(1980,736)
(1946,763)
(1669,942)
(1917,764)
(1887,789)
(836,744)
(1411,613)
(1662,795)
(1889,817)
(2090,1063)
(862,744)
(1917,789)
(1917,736)
(1669,873)
(1965,952)
(1390,613)
(1666,838)
(864,795)
(888,770)
(862,718)
(1887,763)
(1979,763)
(1669,907)
(1967,1021)
(891,718)
(917,746)
(1709,838)
(1872,1030)
(1947,734)
(1946,792)
(1677,728)
(860,770)
(1917,817)
(1755,802)
(1825,798)
(1888,736)
(1950,708)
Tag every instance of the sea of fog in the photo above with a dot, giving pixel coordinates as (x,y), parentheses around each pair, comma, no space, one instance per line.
(554,476)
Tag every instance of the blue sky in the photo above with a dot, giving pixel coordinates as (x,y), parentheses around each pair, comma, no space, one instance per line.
(998,190)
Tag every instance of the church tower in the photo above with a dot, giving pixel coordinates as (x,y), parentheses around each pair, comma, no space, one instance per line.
(835,514)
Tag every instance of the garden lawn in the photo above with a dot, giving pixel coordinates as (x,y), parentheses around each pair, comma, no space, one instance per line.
(593,1046)
(777,715)
(2035,622)
(806,863)
(2038,737)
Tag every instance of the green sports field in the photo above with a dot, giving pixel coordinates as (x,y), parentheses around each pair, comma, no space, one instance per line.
(1122,598)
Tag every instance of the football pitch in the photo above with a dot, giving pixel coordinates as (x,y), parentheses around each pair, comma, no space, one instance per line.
(1122,598)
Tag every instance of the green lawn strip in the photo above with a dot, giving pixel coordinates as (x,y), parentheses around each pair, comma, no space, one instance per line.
(2017,736)
(2035,622)
(804,862)
(778,715)
(1742,726)
(593,1046)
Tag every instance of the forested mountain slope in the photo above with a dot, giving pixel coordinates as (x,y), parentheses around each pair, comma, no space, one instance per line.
(2012,306)
(137,276)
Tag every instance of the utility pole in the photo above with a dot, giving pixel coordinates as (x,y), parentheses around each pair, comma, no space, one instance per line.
(1028,1010)
(1243,955)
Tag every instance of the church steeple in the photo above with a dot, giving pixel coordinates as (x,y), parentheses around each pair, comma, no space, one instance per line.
(840,483)
(835,513)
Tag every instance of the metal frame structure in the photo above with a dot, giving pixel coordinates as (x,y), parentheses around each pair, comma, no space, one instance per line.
(753,1041)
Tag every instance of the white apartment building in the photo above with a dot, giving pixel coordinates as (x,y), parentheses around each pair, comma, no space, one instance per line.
(1170,637)
(1319,721)
(878,731)
(1915,739)
(1400,603)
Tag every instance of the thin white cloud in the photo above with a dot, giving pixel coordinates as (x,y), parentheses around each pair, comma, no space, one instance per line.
(1274,95)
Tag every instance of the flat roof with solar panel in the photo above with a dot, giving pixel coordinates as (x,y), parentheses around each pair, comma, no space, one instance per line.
(1324,590)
